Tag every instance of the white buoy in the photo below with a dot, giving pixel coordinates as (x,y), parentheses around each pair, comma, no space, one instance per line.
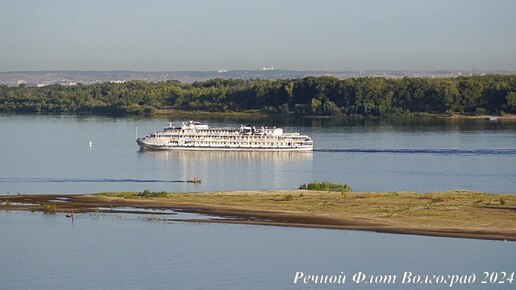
(91,143)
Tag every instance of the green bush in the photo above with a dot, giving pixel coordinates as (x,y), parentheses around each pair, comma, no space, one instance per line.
(151,194)
(49,207)
(326,186)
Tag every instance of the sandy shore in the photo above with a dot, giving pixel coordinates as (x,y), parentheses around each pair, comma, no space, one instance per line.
(447,214)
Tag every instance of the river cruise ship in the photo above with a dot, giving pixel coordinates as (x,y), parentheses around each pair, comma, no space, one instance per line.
(198,136)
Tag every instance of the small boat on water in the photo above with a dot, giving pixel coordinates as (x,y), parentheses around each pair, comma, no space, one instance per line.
(493,118)
(198,136)
(194,180)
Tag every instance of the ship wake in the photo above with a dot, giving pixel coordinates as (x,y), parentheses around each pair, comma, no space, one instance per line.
(432,151)
(82,180)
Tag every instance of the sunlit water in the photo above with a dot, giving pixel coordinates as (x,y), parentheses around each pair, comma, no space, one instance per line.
(51,154)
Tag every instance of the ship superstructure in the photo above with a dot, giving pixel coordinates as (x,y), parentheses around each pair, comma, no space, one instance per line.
(198,136)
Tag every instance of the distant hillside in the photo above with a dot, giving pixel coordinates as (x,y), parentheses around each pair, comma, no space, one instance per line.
(42,78)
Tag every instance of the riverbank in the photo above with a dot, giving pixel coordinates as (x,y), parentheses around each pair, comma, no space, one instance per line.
(253,114)
(257,115)
(461,214)
(505,117)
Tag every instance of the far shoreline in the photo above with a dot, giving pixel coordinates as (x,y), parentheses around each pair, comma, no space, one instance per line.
(258,114)
(459,214)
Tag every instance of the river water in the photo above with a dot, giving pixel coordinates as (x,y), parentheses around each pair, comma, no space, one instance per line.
(51,153)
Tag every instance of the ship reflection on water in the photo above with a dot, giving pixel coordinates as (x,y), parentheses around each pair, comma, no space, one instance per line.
(185,155)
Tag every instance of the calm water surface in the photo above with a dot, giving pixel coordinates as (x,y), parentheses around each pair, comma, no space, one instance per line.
(108,252)
(49,154)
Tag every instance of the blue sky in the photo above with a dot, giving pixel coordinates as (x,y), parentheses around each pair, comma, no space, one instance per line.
(228,34)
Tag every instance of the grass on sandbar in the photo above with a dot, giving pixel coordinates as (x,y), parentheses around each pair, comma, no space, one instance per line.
(49,208)
(326,186)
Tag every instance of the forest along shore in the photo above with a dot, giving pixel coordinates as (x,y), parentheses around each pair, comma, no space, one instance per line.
(457,213)
(310,96)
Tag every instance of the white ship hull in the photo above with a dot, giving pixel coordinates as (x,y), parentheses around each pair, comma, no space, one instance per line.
(199,137)
(146,146)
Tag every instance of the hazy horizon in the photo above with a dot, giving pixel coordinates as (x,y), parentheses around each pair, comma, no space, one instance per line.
(259,69)
(329,35)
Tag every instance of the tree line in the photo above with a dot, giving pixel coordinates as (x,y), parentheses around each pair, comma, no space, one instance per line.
(367,96)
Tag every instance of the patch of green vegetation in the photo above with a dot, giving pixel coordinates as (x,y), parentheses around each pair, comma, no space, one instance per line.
(152,194)
(144,194)
(118,194)
(326,186)
(203,114)
(49,208)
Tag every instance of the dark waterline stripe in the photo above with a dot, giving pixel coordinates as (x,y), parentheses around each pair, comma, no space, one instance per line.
(72,180)
(502,152)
